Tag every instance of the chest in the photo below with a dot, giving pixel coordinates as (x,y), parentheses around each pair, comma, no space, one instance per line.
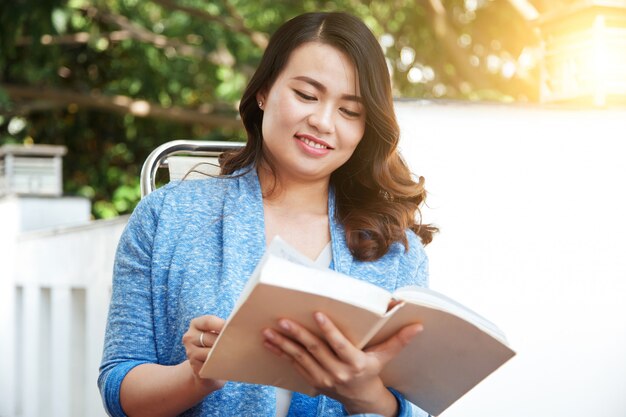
(309,233)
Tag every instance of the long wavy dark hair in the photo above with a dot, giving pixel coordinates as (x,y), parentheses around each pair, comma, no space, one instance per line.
(377,198)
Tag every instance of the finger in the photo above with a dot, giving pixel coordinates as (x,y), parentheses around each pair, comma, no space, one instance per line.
(198,355)
(293,350)
(196,338)
(322,380)
(388,349)
(196,364)
(206,339)
(316,346)
(340,345)
(303,362)
(207,323)
(272,348)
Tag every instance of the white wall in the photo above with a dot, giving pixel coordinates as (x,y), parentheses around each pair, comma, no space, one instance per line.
(532,209)
(38,213)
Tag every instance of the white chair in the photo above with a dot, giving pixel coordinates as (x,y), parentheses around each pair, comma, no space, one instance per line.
(189,159)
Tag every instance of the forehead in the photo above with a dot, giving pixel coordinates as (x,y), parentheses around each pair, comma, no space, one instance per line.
(324,63)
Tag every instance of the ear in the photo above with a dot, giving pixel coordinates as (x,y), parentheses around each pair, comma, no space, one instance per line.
(261,96)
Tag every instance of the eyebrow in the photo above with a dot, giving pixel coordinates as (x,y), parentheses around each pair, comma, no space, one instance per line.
(321,87)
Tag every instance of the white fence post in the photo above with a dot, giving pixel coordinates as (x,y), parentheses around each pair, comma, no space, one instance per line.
(60,348)
(96,308)
(29,350)
(8,235)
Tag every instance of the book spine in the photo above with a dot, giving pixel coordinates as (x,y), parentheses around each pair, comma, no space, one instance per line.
(372,332)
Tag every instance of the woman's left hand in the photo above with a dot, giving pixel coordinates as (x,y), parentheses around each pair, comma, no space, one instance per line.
(335,367)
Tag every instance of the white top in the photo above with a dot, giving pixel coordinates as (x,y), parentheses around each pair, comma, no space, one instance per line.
(283,396)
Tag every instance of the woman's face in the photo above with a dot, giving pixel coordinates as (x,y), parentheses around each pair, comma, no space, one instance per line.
(313,115)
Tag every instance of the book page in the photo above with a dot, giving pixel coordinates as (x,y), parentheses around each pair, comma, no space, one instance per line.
(444,361)
(428,297)
(325,282)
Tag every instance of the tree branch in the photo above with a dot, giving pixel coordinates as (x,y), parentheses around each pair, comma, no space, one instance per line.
(135,31)
(24,109)
(73,38)
(122,105)
(260,39)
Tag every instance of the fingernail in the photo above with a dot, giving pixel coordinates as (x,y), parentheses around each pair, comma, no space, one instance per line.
(319,317)
(284,324)
(269,334)
(414,330)
(417,329)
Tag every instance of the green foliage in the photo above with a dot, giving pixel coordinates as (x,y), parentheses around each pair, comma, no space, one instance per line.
(199,57)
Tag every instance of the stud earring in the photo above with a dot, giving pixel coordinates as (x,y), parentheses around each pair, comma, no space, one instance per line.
(260,104)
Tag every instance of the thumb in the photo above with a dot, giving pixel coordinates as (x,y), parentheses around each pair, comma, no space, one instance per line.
(388,349)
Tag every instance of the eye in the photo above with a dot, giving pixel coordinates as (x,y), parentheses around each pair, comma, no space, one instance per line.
(304,95)
(349,113)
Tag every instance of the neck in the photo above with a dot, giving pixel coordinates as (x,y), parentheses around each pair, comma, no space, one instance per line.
(291,194)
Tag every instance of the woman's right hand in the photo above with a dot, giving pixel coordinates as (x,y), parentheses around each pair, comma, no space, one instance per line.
(202,330)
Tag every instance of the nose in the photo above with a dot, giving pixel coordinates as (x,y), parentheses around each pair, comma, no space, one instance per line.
(323,119)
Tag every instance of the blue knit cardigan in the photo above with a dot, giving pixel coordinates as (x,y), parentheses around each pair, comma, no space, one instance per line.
(188,249)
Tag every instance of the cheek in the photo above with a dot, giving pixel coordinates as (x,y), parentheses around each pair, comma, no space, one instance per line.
(281,117)
(354,134)
(275,120)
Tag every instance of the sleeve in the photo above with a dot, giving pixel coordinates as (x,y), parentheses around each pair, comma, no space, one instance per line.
(406,408)
(130,337)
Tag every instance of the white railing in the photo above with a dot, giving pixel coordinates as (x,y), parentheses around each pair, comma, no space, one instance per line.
(56,313)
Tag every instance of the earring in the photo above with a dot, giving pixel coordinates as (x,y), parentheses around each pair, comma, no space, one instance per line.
(260,104)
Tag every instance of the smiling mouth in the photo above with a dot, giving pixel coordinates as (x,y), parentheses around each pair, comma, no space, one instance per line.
(312,143)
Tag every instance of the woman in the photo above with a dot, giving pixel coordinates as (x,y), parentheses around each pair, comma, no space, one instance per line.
(321,170)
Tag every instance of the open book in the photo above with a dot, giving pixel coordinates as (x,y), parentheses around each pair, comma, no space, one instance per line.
(455,351)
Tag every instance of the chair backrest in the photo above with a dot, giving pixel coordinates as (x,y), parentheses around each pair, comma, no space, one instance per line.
(200,159)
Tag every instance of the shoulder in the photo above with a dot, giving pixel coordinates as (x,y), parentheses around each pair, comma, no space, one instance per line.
(413,262)
(193,192)
(200,192)
(415,251)
(201,202)
(178,204)
(399,267)
(408,256)
(185,196)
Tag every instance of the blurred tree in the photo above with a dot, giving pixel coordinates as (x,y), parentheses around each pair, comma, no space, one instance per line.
(112,79)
